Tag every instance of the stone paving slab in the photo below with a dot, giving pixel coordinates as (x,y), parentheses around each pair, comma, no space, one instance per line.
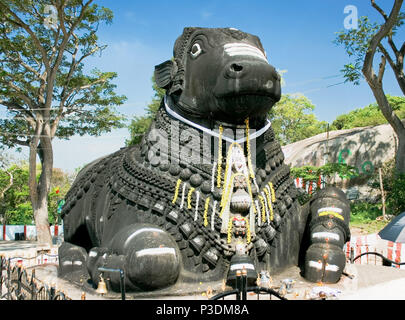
(365,282)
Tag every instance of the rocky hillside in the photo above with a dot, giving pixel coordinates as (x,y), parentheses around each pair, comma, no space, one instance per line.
(363,148)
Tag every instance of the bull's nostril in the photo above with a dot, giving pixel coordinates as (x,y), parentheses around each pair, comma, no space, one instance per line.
(236,67)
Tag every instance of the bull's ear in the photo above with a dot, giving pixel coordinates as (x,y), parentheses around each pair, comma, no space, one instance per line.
(164,73)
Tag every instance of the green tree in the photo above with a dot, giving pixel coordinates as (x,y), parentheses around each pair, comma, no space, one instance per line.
(293,120)
(370,115)
(16,207)
(140,124)
(362,45)
(43,46)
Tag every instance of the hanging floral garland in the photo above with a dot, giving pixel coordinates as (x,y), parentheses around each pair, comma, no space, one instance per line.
(219,168)
(207,202)
(176,191)
(189,197)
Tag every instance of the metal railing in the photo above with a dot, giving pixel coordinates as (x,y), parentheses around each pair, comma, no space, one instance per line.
(241,289)
(19,285)
(353,258)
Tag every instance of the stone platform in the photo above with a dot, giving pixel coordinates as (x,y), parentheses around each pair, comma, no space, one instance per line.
(364,282)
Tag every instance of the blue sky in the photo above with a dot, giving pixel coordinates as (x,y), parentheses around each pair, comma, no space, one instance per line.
(297,36)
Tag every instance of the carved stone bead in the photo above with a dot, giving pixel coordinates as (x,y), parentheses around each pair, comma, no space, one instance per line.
(185,174)
(259,180)
(269,232)
(174,169)
(164,166)
(277,219)
(262,173)
(195,180)
(288,201)
(155,161)
(206,186)
(144,150)
(217,194)
(282,208)
(272,163)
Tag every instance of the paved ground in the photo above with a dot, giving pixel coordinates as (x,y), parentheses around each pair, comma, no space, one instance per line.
(367,282)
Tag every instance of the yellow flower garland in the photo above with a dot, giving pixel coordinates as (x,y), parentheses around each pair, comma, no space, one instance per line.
(230,230)
(219,166)
(248,149)
(176,192)
(207,202)
(189,197)
(228,160)
(269,203)
(273,194)
(263,208)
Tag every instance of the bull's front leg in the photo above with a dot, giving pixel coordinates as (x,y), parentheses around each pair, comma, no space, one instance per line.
(147,253)
(329,231)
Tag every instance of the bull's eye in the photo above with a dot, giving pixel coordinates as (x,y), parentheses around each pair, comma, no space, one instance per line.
(195,50)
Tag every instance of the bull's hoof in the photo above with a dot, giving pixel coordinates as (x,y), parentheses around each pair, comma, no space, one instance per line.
(324,263)
(152,256)
(71,259)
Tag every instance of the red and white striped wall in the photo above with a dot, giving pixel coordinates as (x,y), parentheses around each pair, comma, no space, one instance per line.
(8,232)
(310,186)
(394,251)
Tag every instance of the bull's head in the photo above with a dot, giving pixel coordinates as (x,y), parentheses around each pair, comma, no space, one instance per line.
(220,74)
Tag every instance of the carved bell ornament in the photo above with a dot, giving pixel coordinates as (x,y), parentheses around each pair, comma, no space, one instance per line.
(240,201)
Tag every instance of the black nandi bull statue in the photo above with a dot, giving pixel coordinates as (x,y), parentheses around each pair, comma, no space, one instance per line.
(206,192)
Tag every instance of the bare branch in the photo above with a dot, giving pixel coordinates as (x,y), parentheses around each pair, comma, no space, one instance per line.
(61,50)
(402,51)
(376,40)
(381,11)
(387,56)
(15,106)
(381,69)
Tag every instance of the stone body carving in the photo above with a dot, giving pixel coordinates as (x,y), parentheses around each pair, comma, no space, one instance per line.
(206,192)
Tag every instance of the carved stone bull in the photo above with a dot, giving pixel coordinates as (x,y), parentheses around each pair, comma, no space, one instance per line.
(206,192)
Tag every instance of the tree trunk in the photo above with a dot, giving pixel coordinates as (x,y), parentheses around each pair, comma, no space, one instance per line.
(382,193)
(41,221)
(39,189)
(400,156)
(395,123)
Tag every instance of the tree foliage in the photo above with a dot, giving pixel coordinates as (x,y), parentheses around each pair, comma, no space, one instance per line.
(356,42)
(44,86)
(42,71)
(16,208)
(140,124)
(394,187)
(293,119)
(370,115)
(312,173)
